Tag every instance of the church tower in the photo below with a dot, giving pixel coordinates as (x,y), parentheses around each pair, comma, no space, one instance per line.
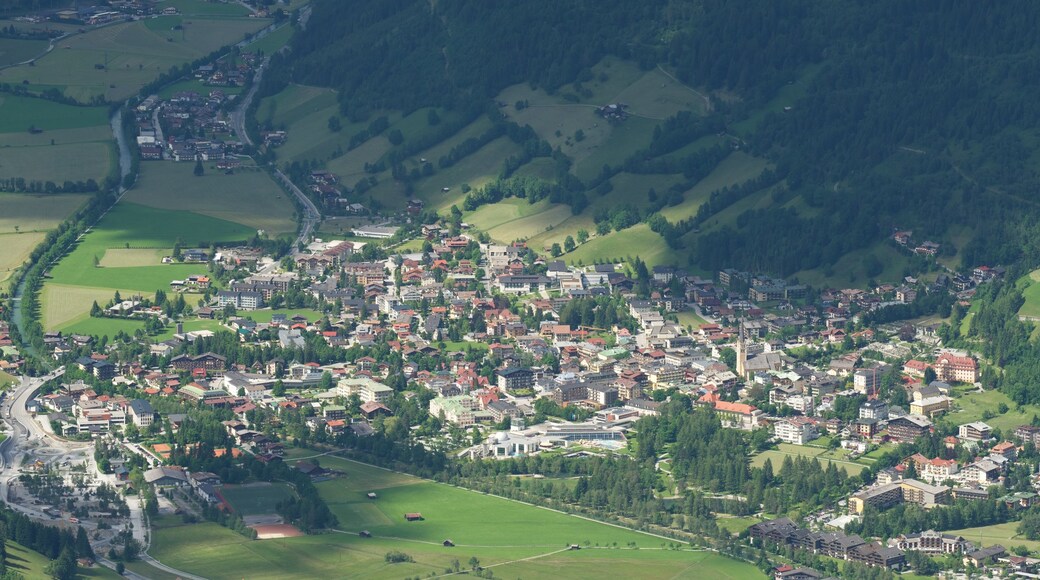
(741,353)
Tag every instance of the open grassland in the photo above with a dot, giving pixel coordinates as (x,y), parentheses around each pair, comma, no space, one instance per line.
(25,220)
(1004,534)
(103,326)
(267,314)
(272,42)
(16,250)
(64,305)
(256,498)
(247,197)
(129,54)
(1031,293)
(824,455)
(637,240)
(18,113)
(16,50)
(76,281)
(133,257)
(6,380)
(32,565)
(735,169)
(510,538)
(58,163)
(971,407)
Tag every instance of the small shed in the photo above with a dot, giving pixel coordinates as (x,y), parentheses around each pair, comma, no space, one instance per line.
(448,544)
(365,534)
(372,495)
(413,517)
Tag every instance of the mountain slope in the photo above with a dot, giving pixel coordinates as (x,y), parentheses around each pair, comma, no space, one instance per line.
(874,114)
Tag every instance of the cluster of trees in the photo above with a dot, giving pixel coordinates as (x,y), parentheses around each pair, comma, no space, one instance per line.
(907,518)
(58,544)
(598,312)
(21,185)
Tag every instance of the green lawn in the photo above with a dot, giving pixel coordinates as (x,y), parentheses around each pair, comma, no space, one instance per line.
(103,326)
(272,42)
(498,532)
(638,240)
(266,314)
(6,380)
(203,8)
(198,87)
(256,498)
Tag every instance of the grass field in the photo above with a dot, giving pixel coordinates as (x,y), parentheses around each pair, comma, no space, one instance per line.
(17,114)
(16,50)
(103,326)
(58,163)
(6,380)
(1003,534)
(248,197)
(735,169)
(202,8)
(135,53)
(825,456)
(198,87)
(638,240)
(33,216)
(971,406)
(256,498)
(272,42)
(76,282)
(498,532)
(267,314)
(1031,293)
(31,565)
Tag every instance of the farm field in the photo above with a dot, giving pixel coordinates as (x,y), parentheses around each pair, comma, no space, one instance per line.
(202,8)
(18,113)
(103,326)
(16,50)
(198,87)
(25,220)
(496,531)
(272,42)
(248,197)
(735,169)
(17,249)
(825,456)
(114,62)
(76,281)
(58,163)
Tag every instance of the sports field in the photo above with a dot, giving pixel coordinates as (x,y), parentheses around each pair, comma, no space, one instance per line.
(510,538)
(115,61)
(248,197)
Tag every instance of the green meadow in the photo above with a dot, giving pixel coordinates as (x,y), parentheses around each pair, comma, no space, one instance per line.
(510,538)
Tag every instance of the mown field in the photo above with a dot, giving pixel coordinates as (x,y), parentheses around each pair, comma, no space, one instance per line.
(1031,292)
(512,539)
(76,281)
(25,220)
(16,50)
(67,143)
(248,197)
(114,62)
(972,406)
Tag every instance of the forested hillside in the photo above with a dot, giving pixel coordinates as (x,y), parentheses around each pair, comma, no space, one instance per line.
(916,115)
